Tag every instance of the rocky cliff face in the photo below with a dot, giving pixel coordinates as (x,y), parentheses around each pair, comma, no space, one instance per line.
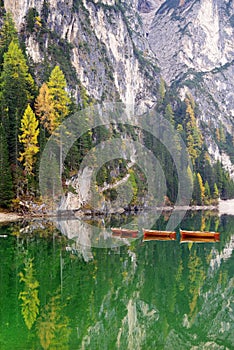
(100,46)
(193,43)
(115,49)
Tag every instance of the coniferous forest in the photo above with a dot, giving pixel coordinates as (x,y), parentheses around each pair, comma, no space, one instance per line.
(32,107)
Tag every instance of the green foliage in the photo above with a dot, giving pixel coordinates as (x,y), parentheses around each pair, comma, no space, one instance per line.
(45,10)
(6,185)
(76,4)
(134,186)
(59,51)
(17,90)
(52,327)
(29,295)
(207,192)
(198,191)
(215,192)
(8,34)
(53,103)
(33,20)
(194,139)
(169,114)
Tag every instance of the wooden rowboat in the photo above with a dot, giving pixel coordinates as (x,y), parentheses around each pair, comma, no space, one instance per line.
(165,235)
(188,235)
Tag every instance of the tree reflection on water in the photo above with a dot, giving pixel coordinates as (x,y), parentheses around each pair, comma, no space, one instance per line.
(56,293)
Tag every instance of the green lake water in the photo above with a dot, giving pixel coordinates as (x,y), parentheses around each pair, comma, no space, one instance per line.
(57,293)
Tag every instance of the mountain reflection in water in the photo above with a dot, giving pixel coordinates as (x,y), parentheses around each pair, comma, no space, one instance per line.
(61,291)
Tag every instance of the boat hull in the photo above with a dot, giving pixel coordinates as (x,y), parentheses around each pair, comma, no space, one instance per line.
(155,234)
(188,235)
(199,240)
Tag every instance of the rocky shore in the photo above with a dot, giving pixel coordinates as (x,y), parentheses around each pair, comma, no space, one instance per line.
(223,207)
(8,217)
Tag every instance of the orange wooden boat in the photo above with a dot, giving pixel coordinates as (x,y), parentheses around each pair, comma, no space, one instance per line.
(199,235)
(163,235)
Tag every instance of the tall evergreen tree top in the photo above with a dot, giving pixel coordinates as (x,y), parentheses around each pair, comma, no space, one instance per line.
(17,84)
(6,186)
(8,34)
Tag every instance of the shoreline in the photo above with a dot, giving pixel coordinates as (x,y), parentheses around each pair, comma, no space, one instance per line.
(9,217)
(222,208)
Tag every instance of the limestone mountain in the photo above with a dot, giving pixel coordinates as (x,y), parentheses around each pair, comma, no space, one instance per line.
(119,50)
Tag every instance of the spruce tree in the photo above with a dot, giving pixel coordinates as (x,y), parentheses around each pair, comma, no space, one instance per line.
(8,34)
(17,88)
(6,192)
(215,192)
(194,138)
(169,114)
(207,192)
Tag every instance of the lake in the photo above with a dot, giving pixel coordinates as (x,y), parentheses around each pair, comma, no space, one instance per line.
(57,293)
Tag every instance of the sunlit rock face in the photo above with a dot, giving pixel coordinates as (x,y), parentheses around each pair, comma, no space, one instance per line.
(118,49)
(104,42)
(193,42)
(196,35)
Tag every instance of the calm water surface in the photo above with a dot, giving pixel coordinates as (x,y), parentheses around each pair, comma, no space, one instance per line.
(57,293)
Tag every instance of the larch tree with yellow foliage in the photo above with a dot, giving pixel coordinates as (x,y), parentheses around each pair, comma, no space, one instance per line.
(29,139)
(52,106)
(52,103)
(44,108)
(60,99)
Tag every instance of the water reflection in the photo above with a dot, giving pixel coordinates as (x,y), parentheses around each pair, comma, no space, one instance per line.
(143,295)
(29,294)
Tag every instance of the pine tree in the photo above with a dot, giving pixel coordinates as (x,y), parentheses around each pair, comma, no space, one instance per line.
(207,192)
(17,88)
(6,192)
(169,114)
(218,176)
(85,100)
(8,34)
(194,138)
(30,131)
